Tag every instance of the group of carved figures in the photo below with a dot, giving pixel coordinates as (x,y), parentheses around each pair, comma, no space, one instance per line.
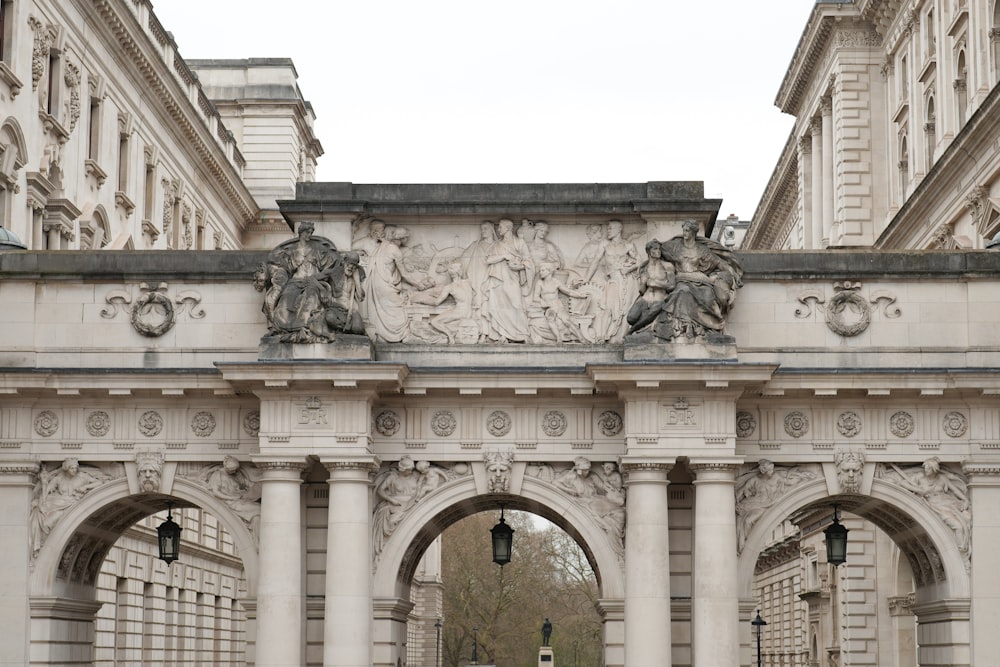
(943,490)
(511,285)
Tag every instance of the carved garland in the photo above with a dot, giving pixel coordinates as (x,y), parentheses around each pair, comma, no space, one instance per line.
(847,312)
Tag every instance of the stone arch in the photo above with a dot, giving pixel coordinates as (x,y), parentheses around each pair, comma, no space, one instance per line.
(95,228)
(11,137)
(920,534)
(456,501)
(68,562)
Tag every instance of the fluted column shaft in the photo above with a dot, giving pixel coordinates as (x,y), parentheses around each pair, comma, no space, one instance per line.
(647,579)
(280,610)
(347,633)
(816,213)
(827,116)
(715,607)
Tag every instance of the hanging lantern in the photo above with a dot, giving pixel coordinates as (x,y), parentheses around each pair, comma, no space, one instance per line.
(836,541)
(168,534)
(503,541)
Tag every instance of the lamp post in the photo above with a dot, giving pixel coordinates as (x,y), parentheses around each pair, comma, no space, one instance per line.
(758,623)
(475,646)
(168,537)
(503,541)
(437,644)
(836,541)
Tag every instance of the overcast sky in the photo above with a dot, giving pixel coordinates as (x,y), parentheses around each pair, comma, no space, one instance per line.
(525,91)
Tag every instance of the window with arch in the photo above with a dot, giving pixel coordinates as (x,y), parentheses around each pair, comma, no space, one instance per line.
(995,40)
(13,156)
(961,95)
(904,166)
(929,134)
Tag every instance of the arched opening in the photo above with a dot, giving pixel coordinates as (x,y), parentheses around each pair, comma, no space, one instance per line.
(400,560)
(903,593)
(961,88)
(99,594)
(930,134)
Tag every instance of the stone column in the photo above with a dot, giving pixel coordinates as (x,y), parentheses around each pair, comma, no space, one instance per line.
(826,108)
(715,610)
(647,555)
(17,480)
(280,638)
(816,215)
(347,628)
(806,185)
(984,494)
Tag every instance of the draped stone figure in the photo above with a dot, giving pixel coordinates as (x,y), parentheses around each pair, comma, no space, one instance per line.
(944,491)
(509,275)
(387,281)
(761,487)
(708,276)
(657,278)
(615,264)
(303,282)
(55,492)
(603,497)
(237,486)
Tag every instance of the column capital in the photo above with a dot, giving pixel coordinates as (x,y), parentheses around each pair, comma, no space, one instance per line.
(815,126)
(988,473)
(369,464)
(639,471)
(715,470)
(279,468)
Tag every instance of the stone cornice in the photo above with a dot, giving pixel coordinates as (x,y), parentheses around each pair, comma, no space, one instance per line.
(984,469)
(18,467)
(772,221)
(122,28)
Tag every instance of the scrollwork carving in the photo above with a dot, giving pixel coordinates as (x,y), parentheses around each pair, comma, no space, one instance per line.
(847,312)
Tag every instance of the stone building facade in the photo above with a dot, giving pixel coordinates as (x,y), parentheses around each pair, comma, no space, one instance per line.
(110,140)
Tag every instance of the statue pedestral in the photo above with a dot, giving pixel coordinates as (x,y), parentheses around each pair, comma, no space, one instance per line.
(546,658)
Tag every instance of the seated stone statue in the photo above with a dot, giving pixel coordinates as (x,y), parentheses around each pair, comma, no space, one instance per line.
(311,290)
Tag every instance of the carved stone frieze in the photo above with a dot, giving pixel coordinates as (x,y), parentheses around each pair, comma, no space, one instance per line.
(237,484)
(849,424)
(46,423)
(443,423)
(150,423)
(387,423)
(796,424)
(746,424)
(203,424)
(847,312)
(853,39)
(610,423)
(399,487)
(601,493)
(760,486)
(59,488)
(942,489)
(498,423)
(901,424)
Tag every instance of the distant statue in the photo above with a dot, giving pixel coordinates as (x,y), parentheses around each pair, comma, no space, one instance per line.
(546,632)
(304,282)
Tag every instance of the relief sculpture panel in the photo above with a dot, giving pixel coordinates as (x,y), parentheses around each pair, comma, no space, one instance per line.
(498,282)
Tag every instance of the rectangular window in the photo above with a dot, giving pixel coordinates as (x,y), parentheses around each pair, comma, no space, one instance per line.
(94,129)
(6,29)
(122,162)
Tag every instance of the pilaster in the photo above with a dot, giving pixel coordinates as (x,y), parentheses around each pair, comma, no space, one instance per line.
(984,494)
(17,480)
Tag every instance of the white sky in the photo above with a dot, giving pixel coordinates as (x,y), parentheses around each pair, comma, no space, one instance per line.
(525,91)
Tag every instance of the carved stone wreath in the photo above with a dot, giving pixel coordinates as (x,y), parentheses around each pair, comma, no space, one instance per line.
(554,423)
(849,424)
(150,423)
(251,423)
(203,423)
(98,423)
(443,423)
(498,423)
(848,313)
(46,423)
(387,423)
(796,424)
(153,312)
(610,423)
(746,424)
(955,424)
(901,424)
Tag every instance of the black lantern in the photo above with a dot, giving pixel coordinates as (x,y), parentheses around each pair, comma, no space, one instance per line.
(169,536)
(836,541)
(503,541)
(758,625)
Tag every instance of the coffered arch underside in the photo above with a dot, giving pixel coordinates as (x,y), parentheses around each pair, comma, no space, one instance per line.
(922,537)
